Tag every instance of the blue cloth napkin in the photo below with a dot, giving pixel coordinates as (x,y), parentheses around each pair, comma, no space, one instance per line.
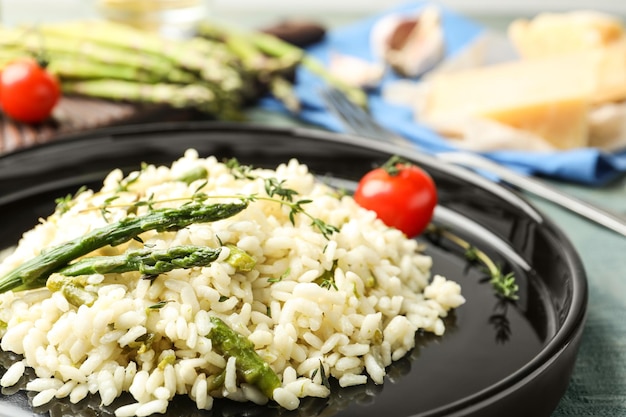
(586,166)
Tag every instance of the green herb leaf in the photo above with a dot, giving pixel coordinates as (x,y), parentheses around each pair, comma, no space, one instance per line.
(159,305)
(325,380)
(63,204)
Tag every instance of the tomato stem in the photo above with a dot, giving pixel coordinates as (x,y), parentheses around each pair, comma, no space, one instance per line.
(391,166)
(39,56)
(42,61)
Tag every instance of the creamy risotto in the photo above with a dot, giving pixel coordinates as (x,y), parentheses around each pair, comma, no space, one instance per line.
(327,291)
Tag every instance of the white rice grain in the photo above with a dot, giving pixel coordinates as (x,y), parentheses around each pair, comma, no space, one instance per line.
(43,384)
(131,335)
(138,387)
(199,393)
(129,410)
(289,375)
(13,374)
(169,379)
(79,393)
(106,387)
(252,393)
(230,380)
(129,319)
(337,339)
(162,393)
(69,372)
(374,369)
(349,380)
(43,397)
(286,398)
(347,362)
(12,341)
(151,407)
(155,380)
(129,374)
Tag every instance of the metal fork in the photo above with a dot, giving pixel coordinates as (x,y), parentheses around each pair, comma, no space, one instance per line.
(357,121)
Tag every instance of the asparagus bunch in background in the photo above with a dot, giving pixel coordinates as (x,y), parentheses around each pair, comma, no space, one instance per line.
(116,62)
(220,71)
(100,56)
(269,57)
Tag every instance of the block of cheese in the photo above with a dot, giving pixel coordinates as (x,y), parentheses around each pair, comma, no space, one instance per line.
(609,66)
(549,34)
(548,98)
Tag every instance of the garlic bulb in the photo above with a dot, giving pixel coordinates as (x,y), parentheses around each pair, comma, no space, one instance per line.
(355,71)
(410,44)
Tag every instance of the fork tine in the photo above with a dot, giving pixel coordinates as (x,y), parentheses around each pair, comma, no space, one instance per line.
(336,107)
(356,120)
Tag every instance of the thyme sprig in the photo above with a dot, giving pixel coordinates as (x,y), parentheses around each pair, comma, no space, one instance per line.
(505,285)
(63,204)
(125,183)
(239,171)
(278,192)
(274,188)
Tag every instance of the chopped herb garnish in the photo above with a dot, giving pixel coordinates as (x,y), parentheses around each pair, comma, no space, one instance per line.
(239,171)
(63,204)
(159,305)
(325,380)
(327,279)
(274,187)
(504,285)
(280,278)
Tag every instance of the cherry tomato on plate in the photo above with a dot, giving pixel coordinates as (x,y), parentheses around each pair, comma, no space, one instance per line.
(28,92)
(403,196)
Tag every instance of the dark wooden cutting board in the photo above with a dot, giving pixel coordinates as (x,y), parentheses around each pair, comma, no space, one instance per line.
(77,114)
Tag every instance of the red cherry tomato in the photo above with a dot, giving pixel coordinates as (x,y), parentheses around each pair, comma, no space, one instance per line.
(28,92)
(403,196)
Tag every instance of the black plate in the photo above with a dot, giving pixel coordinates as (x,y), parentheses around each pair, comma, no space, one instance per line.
(496,358)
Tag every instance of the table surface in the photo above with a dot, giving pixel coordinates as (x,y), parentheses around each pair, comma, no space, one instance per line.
(598,384)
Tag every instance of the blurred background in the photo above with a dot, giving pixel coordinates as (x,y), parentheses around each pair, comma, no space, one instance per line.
(254,12)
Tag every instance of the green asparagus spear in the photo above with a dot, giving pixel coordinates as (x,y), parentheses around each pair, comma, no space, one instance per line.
(146,261)
(283,90)
(179,96)
(194,174)
(256,55)
(76,68)
(250,365)
(240,259)
(33,42)
(272,46)
(35,272)
(244,46)
(70,281)
(216,68)
(72,288)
